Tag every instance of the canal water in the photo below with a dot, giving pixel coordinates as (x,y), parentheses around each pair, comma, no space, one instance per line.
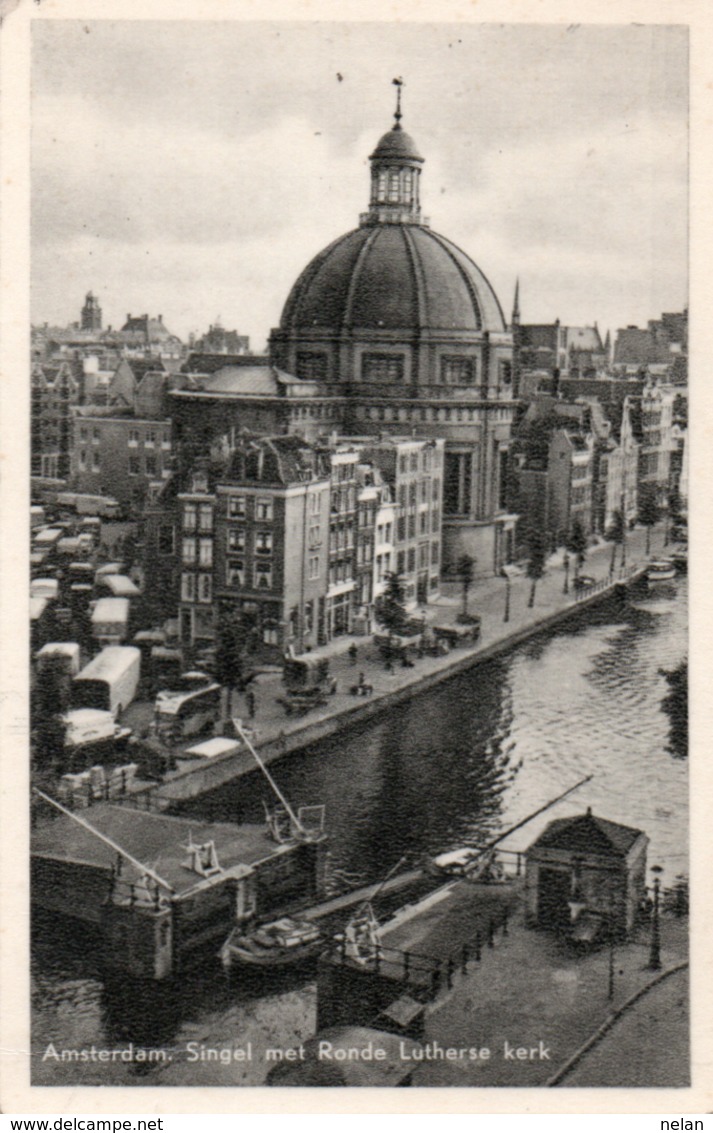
(456,766)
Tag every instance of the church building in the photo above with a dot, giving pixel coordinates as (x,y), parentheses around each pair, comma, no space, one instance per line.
(403,329)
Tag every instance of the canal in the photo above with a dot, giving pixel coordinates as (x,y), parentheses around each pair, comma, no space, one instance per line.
(456,766)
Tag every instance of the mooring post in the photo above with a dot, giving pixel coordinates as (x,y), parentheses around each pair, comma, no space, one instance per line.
(478,945)
(491,941)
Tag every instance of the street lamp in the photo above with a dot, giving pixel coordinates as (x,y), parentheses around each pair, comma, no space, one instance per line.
(565,564)
(655,950)
(610,918)
(506,615)
(623,530)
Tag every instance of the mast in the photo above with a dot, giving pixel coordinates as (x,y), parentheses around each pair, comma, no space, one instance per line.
(107,841)
(293,817)
(524,821)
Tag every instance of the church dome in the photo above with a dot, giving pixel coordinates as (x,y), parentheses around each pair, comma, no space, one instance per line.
(393,276)
(397,144)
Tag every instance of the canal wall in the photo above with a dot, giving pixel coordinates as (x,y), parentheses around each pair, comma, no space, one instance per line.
(197,779)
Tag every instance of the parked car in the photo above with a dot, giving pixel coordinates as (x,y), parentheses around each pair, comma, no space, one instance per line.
(584,581)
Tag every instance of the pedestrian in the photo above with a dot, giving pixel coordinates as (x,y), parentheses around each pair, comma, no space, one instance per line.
(362,680)
(389,667)
(251,703)
(353,653)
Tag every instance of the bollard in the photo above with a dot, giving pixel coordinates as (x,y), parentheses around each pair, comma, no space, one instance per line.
(464,958)
(491,941)
(505,923)
(478,946)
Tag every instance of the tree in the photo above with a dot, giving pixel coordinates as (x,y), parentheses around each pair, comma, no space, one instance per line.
(616,534)
(675,505)
(648,510)
(390,608)
(536,554)
(577,545)
(466,565)
(238,638)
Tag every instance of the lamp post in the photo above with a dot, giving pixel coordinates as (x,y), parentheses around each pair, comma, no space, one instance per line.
(610,987)
(623,530)
(506,615)
(565,564)
(655,950)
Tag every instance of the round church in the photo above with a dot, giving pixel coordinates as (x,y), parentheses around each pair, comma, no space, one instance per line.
(404,329)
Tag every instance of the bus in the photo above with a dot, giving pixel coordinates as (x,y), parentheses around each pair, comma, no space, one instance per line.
(109,681)
(110,620)
(116,586)
(189,709)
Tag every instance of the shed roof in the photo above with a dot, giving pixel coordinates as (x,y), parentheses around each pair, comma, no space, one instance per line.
(588,834)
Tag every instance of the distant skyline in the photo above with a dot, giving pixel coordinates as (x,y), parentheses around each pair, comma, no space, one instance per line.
(193,169)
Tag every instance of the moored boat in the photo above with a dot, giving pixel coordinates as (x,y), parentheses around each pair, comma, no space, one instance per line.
(680,559)
(277,944)
(661,570)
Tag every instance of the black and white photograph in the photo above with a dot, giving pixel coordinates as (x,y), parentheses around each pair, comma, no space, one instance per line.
(358,489)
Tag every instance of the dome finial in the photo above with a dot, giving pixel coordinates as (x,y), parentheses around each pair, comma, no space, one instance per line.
(398,83)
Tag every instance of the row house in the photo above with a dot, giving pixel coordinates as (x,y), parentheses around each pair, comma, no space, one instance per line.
(55,391)
(652,415)
(413,469)
(343,520)
(121,449)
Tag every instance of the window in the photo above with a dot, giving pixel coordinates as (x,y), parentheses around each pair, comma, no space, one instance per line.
(382,367)
(84,434)
(435,519)
(457,371)
(423,555)
(402,496)
(412,494)
(235,573)
(263,576)
(82,461)
(188,587)
(205,515)
(263,509)
(403,463)
(311,367)
(271,634)
(206,552)
(414,462)
(165,442)
(189,517)
(151,466)
(309,617)
(133,438)
(205,588)
(189,550)
(423,523)
(315,535)
(412,559)
(400,560)
(150,438)
(505,370)
(394,187)
(236,539)
(411,526)
(457,483)
(134,466)
(263,543)
(401,528)
(236,507)
(408,181)
(314,566)
(436,494)
(96,462)
(434,553)
(166,541)
(315,502)
(381,187)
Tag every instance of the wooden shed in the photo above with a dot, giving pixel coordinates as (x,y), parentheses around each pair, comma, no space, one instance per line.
(585,874)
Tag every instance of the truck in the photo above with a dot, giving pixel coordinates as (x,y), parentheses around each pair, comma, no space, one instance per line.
(109,681)
(110,620)
(307,682)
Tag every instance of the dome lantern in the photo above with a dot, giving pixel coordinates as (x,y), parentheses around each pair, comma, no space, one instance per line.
(395,172)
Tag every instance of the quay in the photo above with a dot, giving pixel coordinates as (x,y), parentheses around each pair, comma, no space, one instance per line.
(277,736)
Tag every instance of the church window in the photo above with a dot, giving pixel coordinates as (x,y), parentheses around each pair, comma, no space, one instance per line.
(311,366)
(408,181)
(457,483)
(457,371)
(381,188)
(394,187)
(382,367)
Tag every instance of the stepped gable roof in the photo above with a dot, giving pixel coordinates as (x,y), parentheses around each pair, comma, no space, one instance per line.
(587,834)
(392,276)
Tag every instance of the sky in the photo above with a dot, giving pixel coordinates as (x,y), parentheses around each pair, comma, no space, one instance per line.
(192,169)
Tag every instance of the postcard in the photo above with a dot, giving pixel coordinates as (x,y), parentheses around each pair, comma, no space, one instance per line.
(351,450)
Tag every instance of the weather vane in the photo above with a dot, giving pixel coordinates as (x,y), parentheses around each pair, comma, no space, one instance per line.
(398,83)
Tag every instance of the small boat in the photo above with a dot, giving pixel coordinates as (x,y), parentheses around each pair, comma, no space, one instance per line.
(661,570)
(274,945)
